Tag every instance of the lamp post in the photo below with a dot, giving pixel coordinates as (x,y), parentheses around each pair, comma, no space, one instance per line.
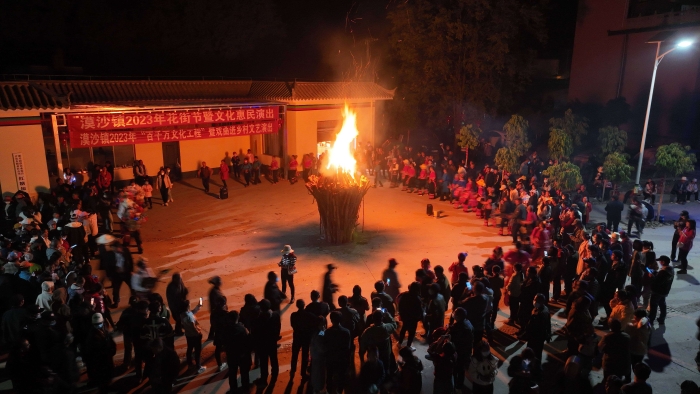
(657,61)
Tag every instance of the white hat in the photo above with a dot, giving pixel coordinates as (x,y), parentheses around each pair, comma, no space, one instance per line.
(287,249)
(97,318)
(684,179)
(105,239)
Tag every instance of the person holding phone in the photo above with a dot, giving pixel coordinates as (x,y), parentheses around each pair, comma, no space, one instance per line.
(193,334)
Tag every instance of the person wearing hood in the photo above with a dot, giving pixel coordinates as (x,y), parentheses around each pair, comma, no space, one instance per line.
(45,299)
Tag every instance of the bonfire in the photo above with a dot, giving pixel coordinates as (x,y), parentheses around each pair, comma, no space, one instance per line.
(339,190)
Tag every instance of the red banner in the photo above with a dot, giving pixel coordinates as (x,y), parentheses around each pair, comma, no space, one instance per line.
(82,139)
(170,118)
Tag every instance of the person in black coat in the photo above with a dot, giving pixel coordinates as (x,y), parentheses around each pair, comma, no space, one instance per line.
(411,312)
(162,368)
(21,365)
(176,294)
(265,334)
(475,306)
(539,328)
(329,288)
(462,336)
(528,291)
(118,263)
(217,303)
(272,292)
(303,325)
(338,340)
(545,274)
(318,308)
(98,354)
(238,346)
(614,210)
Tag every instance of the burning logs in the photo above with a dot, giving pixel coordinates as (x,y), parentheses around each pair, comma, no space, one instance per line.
(338,198)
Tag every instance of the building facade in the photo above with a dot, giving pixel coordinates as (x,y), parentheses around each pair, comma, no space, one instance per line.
(614,51)
(48,126)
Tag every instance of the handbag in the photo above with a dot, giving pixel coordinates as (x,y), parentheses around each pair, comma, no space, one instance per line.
(292,269)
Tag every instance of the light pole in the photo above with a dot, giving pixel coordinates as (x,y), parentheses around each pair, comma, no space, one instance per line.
(657,61)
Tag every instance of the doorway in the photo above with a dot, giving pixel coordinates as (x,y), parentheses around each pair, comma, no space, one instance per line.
(171,158)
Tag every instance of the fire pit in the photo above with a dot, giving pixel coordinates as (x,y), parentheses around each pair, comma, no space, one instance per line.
(339,190)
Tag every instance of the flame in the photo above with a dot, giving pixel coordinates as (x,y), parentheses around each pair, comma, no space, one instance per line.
(340,155)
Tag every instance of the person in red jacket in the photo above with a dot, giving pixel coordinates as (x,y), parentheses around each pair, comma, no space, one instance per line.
(685,243)
(224,172)
(458,267)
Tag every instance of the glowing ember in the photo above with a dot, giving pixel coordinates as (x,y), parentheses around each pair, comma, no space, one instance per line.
(340,155)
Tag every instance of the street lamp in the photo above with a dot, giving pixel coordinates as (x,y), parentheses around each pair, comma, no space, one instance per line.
(657,61)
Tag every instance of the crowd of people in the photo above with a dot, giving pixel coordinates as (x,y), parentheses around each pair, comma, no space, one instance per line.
(58,318)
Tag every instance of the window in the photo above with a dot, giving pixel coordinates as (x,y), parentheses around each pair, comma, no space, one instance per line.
(124,155)
(272,143)
(326,130)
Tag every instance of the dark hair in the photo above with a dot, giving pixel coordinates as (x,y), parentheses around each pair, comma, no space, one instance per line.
(642,371)
(518,267)
(271,275)
(315,295)
(336,317)
(356,290)
(379,286)
(301,304)
(342,300)
(438,269)
(17,300)
(377,317)
(615,325)
(264,305)
(496,269)
(640,313)
(233,316)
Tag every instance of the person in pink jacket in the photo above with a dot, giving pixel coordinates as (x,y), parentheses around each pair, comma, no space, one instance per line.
(223,172)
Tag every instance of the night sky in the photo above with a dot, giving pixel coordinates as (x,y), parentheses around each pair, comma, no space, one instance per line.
(262,39)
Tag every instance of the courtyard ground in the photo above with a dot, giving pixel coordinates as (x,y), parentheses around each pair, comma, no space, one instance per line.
(240,240)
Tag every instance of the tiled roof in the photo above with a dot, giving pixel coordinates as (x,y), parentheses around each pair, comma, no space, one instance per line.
(63,94)
(300,91)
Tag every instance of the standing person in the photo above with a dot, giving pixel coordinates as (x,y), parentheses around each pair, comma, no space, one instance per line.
(513,287)
(204,173)
(118,263)
(678,226)
(476,306)
(379,335)
(496,281)
(483,369)
(539,328)
(217,305)
(329,288)
(306,162)
(176,295)
(272,292)
(458,267)
(163,367)
(265,334)
(237,346)
(411,312)
(147,194)
(444,358)
(442,280)
(435,311)
(661,284)
(193,334)
(247,170)
(99,351)
(142,281)
(224,172)
(170,182)
(496,259)
(391,278)
(685,244)
(236,164)
(303,325)
(462,334)
(387,300)
(256,170)
(338,341)
(293,164)
(639,331)
(274,169)
(616,354)
(318,356)
(614,210)
(288,269)
(163,184)
(360,304)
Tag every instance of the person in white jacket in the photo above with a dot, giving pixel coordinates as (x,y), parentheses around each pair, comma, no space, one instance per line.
(45,299)
(483,369)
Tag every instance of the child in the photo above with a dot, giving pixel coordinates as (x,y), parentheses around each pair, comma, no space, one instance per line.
(193,334)
(148,193)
